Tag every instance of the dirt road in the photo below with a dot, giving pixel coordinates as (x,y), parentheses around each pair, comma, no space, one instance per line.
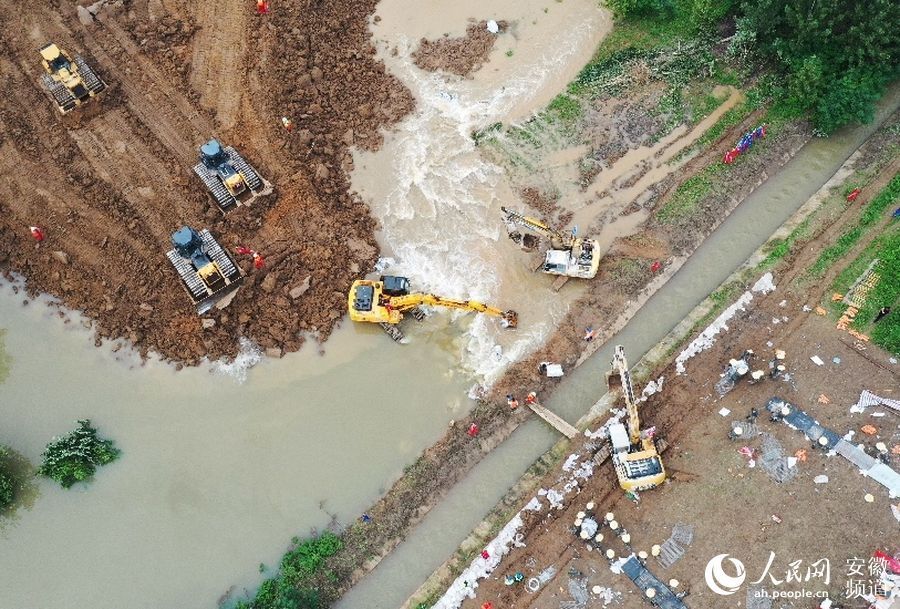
(110,185)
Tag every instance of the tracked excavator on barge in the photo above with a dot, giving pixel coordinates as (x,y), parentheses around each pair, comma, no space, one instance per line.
(387,300)
(566,255)
(69,82)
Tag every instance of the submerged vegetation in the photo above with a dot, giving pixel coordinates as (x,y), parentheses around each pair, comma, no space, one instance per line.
(297,584)
(77,455)
(7,481)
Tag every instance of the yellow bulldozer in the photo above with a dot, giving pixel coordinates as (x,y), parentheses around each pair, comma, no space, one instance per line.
(386,301)
(70,82)
(634,454)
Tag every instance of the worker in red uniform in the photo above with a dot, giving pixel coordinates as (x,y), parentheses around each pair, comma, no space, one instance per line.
(262,7)
(37,233)
(243,250)
(852,196)
(258,261)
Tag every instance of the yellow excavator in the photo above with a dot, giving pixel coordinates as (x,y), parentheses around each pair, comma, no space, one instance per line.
(566,255)
(386,301)
(70,82)
(634,454)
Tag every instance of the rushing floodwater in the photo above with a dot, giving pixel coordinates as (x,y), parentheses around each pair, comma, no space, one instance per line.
(748,227)
(217,476)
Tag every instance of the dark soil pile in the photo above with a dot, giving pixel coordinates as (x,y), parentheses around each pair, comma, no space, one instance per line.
(109,188)
(460,56)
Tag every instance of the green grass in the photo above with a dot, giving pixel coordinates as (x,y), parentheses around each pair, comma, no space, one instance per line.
(685,199)
(873,211)
(781,247)
(565,107)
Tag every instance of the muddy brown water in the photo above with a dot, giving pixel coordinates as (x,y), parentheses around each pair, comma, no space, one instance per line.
(748,227)
(217,476)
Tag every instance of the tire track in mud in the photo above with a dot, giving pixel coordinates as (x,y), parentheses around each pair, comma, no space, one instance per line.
(119,157)
(217,63)
(154,102)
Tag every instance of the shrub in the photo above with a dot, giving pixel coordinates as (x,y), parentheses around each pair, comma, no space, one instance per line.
(7,482)
(76,456)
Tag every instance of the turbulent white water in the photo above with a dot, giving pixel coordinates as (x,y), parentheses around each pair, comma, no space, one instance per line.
(439,200)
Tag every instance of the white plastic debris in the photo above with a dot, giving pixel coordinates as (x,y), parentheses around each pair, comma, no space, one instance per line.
(817,360)
(792,461)
(764,285)
(551,370)
(493,27)
(724,412)
(821,479)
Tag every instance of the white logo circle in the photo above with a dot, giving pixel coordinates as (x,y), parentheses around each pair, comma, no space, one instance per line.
(720,582)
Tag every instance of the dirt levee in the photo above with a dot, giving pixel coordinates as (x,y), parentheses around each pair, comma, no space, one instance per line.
(110,185)
(462,55)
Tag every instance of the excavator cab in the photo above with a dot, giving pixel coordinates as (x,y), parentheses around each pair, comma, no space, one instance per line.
(393,285)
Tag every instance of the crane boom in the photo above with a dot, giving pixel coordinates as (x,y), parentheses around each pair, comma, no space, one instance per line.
(634,423)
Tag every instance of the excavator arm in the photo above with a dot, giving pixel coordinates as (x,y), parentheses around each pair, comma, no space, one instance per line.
(557,238)
(411,301)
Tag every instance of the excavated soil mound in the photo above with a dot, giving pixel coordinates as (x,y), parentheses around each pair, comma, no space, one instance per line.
(460,56)
(109,188)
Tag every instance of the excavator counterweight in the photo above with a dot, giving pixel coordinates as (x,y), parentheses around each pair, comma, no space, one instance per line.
(69,82)
(567,255)
(634,453)
(387,300)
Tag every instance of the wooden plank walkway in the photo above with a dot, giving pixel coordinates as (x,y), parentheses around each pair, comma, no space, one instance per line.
(554,420)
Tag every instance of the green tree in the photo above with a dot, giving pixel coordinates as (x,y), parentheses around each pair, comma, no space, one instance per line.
(76,456)
(834,56)
(7,482)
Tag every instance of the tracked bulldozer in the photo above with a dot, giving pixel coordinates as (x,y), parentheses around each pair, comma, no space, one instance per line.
(70,82)
(207,272)
(387,300)
(229,179)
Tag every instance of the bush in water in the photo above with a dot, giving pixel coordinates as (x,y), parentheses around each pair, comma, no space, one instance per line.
(76,456)
(7,484)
